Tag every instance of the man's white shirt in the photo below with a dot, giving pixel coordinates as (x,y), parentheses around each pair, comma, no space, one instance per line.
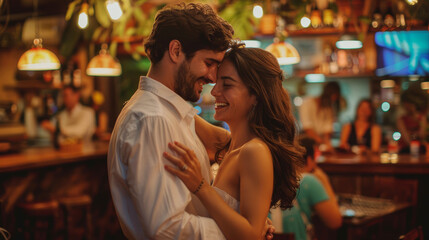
(150,202)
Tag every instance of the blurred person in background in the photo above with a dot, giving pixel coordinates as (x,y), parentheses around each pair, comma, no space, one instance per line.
(76,122)
(362,134)
(318,114)
(315,196)
(412,122)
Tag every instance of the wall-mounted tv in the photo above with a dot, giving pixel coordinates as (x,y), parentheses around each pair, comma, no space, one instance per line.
(402,53)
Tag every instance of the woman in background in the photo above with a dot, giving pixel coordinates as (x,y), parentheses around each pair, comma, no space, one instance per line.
(318,115)
(362,134)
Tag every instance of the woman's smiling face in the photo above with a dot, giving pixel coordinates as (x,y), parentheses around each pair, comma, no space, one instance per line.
(233,100)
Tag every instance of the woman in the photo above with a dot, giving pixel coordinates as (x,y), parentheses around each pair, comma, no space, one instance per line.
(362,134)
(258,166)
(318,115)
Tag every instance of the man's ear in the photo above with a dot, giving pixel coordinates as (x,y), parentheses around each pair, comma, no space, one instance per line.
(175,50)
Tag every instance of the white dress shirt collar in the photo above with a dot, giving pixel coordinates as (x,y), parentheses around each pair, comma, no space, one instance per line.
(159,89)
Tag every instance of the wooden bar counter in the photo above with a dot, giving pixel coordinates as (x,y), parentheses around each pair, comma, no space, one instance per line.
(47,174)
(401,178)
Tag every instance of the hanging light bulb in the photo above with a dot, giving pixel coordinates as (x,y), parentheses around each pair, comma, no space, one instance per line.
(258,11)
(305,22)
(114,9)
(285,53)
(38,59)
(104,64)
(83,16)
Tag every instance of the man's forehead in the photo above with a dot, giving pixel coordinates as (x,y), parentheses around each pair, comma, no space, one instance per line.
(211,54)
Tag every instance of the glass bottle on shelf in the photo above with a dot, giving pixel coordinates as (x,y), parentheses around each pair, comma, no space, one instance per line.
(389,20)
(377,17)
(315,17)
(329,14)
(400,15)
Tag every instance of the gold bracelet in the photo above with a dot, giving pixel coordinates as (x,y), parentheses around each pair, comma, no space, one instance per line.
(199,186)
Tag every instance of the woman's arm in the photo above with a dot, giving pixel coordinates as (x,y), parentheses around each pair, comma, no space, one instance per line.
(256,186)
(328,210)
(376,138)
(213,137)
(345,133)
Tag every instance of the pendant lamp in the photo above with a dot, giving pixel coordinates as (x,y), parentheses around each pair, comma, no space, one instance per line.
(38,58)
(285,53)
(104,65)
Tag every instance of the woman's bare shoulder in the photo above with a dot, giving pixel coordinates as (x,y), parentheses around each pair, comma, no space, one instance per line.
(255,150)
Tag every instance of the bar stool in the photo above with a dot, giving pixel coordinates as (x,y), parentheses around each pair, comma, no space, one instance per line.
(36,220)
(77,217)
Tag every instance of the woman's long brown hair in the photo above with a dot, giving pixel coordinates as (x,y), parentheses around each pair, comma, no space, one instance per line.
(272,119)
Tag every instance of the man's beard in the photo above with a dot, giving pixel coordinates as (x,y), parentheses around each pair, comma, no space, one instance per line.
(184,84)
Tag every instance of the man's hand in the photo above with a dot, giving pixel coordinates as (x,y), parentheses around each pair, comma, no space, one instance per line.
(268,231)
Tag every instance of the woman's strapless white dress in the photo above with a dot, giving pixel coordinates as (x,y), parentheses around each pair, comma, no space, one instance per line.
(232,202)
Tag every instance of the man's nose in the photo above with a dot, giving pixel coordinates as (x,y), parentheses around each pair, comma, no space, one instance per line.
(212,74)
(215,90)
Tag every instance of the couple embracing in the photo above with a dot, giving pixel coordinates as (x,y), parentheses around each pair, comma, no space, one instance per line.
(160,151)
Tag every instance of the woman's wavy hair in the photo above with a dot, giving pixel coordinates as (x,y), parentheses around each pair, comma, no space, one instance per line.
(195,25)
(271,119)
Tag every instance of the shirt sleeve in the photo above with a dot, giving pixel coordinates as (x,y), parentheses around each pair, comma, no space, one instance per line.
(159,197)
(314,189)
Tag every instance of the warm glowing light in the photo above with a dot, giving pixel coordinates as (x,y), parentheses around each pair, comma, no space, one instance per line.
(396,136)
(387,84)
(385,106)
(258,11)
(425,85)
(297,101)
(82,21)
(114,9)
(412,2)
(104,65)
(305,22)
(285,53)
(38,59)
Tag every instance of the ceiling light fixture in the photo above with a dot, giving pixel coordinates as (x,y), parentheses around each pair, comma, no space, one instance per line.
(104,65)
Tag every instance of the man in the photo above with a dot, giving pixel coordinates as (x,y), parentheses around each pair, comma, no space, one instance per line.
(187,43)
(76,122)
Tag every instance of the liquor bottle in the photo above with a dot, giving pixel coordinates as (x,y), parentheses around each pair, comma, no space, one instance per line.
(389,20)
(329,14)
(315,17)
(400,16)
(377,18)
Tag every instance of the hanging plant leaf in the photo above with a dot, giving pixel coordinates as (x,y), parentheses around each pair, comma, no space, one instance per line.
(71,8)
(101,14)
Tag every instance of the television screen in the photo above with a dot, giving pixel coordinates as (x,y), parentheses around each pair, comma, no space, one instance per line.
(402,53)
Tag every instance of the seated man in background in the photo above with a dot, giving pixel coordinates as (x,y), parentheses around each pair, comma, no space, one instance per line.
(314,196)
(75,122)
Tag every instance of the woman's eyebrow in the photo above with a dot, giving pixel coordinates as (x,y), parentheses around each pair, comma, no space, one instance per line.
(228,78)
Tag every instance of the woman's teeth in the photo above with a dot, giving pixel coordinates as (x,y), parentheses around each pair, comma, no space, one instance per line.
(220,105)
